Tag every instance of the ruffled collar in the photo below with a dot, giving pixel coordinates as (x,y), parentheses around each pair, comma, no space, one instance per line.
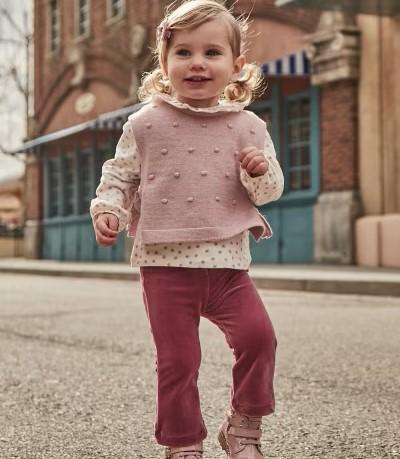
(221,107)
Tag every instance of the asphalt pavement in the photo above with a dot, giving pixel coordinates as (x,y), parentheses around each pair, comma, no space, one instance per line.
(77,375)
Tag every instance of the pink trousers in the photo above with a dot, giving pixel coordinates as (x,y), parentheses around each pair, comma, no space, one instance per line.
(175,299)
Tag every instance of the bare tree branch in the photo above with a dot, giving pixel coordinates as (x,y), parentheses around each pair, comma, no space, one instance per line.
(14,70)
(6,14)
(15,76)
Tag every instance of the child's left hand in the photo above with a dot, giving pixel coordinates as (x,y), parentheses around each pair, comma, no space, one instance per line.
(253,160)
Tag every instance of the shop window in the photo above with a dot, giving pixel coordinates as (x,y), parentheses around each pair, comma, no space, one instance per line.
(298,160)
(69,184)
(85,185)
(116,9)
(83,18)
(266,115)
(54,187)
(54,6)
(293,122)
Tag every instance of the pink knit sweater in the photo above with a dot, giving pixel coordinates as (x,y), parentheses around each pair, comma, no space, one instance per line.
(190,186)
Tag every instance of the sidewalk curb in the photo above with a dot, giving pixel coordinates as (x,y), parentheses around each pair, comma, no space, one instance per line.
(73,273)
(333,286)
(270,282)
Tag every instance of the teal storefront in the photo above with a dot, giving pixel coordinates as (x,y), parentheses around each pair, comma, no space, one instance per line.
(72,159)
(292,115)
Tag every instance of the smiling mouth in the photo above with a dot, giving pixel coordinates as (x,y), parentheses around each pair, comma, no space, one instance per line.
(197,79)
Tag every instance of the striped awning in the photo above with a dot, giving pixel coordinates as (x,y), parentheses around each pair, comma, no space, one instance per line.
(292,65)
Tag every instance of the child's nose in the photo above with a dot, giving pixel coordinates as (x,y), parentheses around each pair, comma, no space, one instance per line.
(197,62)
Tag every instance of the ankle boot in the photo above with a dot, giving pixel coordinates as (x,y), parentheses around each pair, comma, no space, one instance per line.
(185,452)
(240,435)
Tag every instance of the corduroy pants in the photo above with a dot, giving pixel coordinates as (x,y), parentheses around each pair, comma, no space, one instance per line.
(175,299)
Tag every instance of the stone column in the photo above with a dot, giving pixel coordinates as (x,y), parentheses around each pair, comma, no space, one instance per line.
(334,53)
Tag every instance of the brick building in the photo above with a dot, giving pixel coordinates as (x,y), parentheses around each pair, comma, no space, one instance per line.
(89,56)
(356,63)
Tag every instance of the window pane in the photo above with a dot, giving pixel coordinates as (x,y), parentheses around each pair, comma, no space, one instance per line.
(54,25)
(85,188)
(69,185)
(266,115)
(306,179)
(83,17)
(294,110)
(305,156)
(116,7)
(294,133)
(54,186)
(299,144)
(305,107)
(295,180)
(82,28)
(294,157)
(305,130)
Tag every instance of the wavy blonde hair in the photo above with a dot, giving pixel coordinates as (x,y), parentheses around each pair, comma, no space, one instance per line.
(192,14)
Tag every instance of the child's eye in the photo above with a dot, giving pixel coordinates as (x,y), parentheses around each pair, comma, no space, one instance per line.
(183,52)
(213,52)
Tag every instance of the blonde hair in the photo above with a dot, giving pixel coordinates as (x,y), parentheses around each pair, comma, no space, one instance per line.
(193,13)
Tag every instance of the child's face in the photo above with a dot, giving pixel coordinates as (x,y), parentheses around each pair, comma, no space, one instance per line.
(200,63)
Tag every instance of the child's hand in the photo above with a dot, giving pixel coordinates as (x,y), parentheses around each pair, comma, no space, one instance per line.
(253,160)
(105,228)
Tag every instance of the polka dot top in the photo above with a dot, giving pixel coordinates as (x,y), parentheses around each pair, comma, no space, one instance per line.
(118,192)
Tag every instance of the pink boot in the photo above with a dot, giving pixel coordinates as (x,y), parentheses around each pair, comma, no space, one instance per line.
(240,435)
(185,452)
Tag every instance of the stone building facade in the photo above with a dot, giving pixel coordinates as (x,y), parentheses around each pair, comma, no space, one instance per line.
(355,54)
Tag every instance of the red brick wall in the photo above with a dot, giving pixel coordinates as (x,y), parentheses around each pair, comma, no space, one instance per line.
(303,19)
(339,146)
(107,52)
(108,58)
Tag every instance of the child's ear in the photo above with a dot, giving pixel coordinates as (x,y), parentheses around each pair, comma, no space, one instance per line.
(239,63)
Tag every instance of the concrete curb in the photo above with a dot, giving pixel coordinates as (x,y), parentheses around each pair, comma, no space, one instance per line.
(333,286)
(72,273)
(308,279)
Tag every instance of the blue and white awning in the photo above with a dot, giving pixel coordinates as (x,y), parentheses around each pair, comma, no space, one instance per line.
(292,65)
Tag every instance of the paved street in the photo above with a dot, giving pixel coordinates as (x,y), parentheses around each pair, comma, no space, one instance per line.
(77,373)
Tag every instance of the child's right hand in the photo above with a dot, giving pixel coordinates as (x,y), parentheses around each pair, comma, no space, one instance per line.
(105,228)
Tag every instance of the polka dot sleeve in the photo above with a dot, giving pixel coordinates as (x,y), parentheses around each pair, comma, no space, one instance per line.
(119,181)
(267,187)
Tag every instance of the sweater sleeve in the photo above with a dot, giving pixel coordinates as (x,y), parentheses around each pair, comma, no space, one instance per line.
(267,187)
(119,181)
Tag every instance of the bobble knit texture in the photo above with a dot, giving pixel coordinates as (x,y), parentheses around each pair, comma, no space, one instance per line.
(124,178)
(191,189)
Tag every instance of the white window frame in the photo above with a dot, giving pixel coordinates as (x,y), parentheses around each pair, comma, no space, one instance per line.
(120,15)
(57,39)
(79,36)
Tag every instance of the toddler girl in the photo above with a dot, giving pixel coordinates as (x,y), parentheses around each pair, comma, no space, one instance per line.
(189,169)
